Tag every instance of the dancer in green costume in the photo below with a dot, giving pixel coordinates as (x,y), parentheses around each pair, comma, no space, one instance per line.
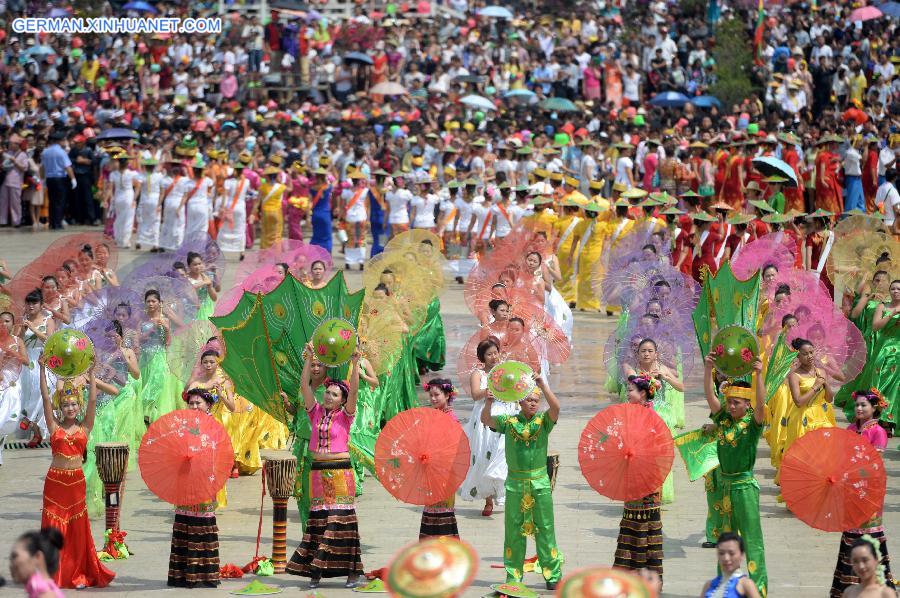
(738,428)
(119,416)
(648,363)
(429,342)
(881,370)
(529,503)
(160,389)
(203,284)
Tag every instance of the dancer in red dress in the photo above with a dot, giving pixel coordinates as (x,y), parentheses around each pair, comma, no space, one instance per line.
(65,507)
(828,184)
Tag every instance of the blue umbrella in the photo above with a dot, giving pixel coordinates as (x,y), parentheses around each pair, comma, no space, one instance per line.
(772,166)
(39,50)
(706,102)
(358,57)
(519,93)
(140,6)
(498,12)
(117,134)
(891,9)
(669,99)
(480,102)
(59,13)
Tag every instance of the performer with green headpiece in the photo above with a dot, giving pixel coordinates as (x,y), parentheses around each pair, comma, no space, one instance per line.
(529,502)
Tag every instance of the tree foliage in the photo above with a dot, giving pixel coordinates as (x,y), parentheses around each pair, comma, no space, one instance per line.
(733,54)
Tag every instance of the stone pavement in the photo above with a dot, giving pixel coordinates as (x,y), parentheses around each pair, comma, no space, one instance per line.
(800,559)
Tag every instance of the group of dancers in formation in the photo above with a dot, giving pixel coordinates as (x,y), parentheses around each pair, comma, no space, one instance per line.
(638,257)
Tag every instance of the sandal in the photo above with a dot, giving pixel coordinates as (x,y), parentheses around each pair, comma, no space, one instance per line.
(488,509)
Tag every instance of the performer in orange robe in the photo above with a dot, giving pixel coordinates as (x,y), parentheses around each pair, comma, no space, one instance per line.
(706,242)
(793,195)
(721,162)
(828,185)
(733,182)
(870,175)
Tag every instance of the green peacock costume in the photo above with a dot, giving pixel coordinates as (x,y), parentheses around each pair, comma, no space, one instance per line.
(264,336)
(732,491)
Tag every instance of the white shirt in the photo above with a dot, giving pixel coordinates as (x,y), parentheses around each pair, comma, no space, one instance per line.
(122,182)
(888,196)
(886,157)
(464,211)
(481,229)
(623,166)
(356,212)
(424,207)
(851,163)
(504,226)
(398,201)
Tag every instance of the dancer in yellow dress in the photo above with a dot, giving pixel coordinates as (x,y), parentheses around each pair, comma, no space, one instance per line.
(813,399)
(587,246)
(562,230)
(269,210)
(778,411)
(233,411)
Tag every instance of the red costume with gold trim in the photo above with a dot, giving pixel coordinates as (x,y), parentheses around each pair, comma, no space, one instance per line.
(65,509)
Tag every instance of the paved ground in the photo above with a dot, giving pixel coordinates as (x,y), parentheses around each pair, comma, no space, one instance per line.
(800,559)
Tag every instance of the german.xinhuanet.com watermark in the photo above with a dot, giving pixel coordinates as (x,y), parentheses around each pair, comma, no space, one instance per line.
(79,25)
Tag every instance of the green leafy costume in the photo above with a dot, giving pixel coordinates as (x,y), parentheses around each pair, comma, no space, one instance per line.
(529,503)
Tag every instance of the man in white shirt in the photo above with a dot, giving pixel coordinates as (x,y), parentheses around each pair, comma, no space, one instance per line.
(888,197)
(667,45)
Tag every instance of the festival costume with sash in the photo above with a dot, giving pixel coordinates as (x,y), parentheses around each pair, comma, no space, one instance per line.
(321,218)
(272,215)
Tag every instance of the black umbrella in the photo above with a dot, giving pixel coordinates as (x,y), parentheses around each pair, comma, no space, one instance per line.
(358,57)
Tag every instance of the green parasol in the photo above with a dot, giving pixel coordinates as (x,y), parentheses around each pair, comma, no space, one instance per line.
(725,301)
(698,450)
(778,365)
(265,335)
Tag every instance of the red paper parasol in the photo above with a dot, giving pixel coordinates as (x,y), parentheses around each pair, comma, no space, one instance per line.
(69,246)
(547,338)
(626,452)
(185,457)
(833,479)
(30,277)
(422,456)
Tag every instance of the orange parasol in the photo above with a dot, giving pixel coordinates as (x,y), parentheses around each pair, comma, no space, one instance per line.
(626,452)
(185,457)
(833,479)
(422,456)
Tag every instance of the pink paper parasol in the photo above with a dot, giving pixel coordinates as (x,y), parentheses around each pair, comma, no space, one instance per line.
(768,250)
(840,349)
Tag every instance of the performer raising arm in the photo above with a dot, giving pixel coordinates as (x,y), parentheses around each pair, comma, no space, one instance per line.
(530,509)
(738,428)
(64,488)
